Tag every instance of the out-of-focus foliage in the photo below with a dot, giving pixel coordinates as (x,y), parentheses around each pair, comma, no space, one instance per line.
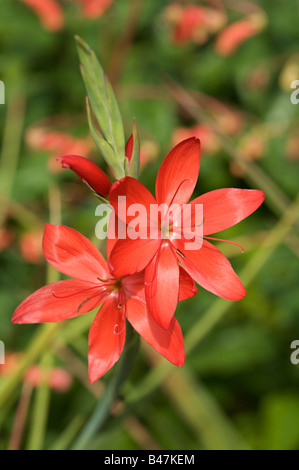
(239,103)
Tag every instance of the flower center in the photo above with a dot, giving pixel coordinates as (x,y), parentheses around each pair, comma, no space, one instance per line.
(166,229)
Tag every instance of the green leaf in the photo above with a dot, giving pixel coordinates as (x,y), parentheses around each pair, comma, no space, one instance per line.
(105,109)
(104,148)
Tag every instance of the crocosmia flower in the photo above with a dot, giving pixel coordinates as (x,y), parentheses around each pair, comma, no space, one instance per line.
(122,298)
(161,256)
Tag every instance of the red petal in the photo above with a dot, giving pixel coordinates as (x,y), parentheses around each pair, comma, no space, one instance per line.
(73,254)
(88,172)
(105,346)
(135,193)
(187,286)
(211,270)
(169,343)
(132,256)
(58,301)
(134,286)
(178,173)
(129,147)
(162,285)
(111,238)
(224,208)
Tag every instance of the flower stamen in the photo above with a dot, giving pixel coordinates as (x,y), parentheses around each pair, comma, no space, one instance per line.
(226,241)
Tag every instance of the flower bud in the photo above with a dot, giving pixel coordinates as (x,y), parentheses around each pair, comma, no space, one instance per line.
(89,173)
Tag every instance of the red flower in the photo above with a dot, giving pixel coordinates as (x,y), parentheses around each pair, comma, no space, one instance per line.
(56,144)
(160,257)
(95,8)
(88,172)
(6,238)
(193,23)
(58,379)
(30,246)
(49,12)
(234,35)
(122,298)
(193,18)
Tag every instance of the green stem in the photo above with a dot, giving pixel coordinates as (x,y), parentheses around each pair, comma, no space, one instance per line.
(64,441)
(41,407)
(102,411)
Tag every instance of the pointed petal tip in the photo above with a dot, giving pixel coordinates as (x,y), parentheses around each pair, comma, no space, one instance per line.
(239,294)
(15,320)
(193,138)
(18,317)
(64,164)
(93,376)
(243,294)
(21,320)
(179,359)
(178,173)
(181,363)
(164,322)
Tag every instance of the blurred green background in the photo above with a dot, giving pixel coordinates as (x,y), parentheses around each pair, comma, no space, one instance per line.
(238,388)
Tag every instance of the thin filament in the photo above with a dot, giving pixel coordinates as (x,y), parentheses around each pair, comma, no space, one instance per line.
(177,190)
(75,293)
(179,232)
(226,241)
(147,283)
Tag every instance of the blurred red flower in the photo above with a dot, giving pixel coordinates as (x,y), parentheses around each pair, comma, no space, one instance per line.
(57,144)
(193,23)
(31,246)
(234,35)
(6,238)
(95,8)
(59,379)
(209,141)
(50,13)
